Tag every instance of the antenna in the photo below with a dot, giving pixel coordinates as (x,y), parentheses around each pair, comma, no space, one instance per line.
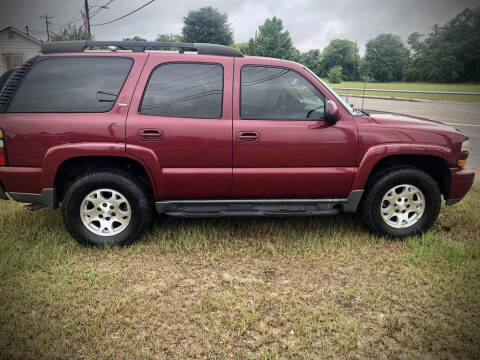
(355,51)
(365,76)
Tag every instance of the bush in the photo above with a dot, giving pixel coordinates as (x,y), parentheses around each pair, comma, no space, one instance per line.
(335,74)
(412,74)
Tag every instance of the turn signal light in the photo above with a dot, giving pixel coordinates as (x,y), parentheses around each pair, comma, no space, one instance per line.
(3,159)
(462,163)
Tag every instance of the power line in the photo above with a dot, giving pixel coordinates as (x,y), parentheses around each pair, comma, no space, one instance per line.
(56,28)
(63,7)
(67,24)
(124,16)
(100,7)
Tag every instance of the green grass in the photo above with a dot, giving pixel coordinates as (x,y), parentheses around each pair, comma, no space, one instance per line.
(414,86)
(299,288)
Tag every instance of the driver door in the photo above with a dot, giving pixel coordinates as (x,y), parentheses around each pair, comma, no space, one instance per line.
(282,145)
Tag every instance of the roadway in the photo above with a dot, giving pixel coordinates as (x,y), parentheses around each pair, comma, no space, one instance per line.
(464,116)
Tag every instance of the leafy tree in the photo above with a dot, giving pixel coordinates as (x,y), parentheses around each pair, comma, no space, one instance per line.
(71,33)
(313,60)
(386,57)
(135,38)
(207,25)
(342,52)
(335,74)
(415,42)
(450,53)
(272,41)
(168,38)
(241,46)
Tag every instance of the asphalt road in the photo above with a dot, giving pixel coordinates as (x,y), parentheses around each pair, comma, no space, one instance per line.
(464,116)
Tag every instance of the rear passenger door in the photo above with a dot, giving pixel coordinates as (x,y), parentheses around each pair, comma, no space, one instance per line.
(182,112)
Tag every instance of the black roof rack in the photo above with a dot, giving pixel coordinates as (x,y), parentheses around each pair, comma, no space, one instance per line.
(140,46)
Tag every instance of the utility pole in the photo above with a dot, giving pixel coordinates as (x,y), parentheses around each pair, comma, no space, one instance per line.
(87,17)
(46,17)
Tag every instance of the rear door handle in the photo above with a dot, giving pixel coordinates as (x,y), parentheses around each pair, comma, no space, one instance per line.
(248,137)
(150,134)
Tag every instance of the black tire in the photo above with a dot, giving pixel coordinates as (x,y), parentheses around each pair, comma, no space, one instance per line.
(141,207)
(386,179)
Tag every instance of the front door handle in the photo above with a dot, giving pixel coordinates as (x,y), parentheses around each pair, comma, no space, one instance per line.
(248,137)
(150,134)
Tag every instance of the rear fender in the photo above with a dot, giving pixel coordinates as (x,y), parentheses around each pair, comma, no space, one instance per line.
(56,155)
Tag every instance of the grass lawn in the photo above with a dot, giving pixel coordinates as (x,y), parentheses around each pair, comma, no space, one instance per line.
(299,288)
(414,86)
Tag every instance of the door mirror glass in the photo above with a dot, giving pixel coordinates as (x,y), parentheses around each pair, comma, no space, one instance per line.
(332,113)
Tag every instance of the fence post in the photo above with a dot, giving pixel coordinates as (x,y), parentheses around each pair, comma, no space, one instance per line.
(347,96)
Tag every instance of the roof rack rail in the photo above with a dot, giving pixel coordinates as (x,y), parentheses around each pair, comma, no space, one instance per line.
(140,46)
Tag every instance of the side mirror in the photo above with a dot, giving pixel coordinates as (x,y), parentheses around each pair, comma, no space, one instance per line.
(332,114)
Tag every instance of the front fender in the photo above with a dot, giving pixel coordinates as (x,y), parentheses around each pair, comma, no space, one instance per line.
(378,152)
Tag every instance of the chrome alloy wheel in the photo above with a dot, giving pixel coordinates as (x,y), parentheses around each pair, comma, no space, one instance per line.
(105,212)
(402,206)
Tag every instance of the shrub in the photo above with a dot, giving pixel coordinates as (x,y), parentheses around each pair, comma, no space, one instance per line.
(335,74)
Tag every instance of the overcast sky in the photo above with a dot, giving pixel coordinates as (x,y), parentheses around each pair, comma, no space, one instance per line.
(311,23)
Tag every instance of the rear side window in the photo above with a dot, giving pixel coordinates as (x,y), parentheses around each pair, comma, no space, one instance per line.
(189,90)
(72,84)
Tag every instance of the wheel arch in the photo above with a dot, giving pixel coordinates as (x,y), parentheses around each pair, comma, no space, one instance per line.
(72,168)
(61,158)
(434,165)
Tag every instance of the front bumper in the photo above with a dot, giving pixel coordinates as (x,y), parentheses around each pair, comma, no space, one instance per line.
(461,181)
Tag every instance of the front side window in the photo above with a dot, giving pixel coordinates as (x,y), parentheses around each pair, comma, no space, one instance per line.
(188,90)
(72,84)
(273,93)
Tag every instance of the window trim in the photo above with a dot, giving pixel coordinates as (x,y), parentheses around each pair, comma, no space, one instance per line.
(40,59)
(278,67)
(183,62)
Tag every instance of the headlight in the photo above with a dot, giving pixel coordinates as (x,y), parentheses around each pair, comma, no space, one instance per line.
(465,146)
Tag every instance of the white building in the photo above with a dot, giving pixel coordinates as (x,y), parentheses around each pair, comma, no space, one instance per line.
(16,47)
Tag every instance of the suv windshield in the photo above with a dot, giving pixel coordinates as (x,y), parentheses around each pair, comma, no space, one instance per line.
(343,102)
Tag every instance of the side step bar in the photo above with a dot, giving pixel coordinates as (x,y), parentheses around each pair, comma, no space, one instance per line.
(258,207)
(250,213)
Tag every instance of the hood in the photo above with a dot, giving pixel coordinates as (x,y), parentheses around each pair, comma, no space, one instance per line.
(408,121)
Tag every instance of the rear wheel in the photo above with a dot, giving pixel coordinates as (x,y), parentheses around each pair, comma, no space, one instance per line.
(400,202)
(106,208)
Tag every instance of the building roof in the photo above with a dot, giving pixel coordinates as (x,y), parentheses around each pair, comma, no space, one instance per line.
(15,30)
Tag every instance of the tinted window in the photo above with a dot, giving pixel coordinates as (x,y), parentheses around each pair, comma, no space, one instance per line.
(184,90)
(72,84)
(278,94)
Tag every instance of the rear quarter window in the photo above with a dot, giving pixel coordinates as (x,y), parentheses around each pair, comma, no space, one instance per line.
(72,84)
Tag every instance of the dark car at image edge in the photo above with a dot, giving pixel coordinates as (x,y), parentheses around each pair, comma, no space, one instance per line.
(114,134)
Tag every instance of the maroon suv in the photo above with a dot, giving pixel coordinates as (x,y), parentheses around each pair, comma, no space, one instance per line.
(112,135)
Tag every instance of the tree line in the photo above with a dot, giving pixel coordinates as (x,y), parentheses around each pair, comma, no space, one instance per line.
(449,53)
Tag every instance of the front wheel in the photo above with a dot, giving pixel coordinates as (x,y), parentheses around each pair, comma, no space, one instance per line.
(400,202)
(106,208)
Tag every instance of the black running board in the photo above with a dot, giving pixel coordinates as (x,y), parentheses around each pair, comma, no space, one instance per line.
(258,207)
(250,213)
